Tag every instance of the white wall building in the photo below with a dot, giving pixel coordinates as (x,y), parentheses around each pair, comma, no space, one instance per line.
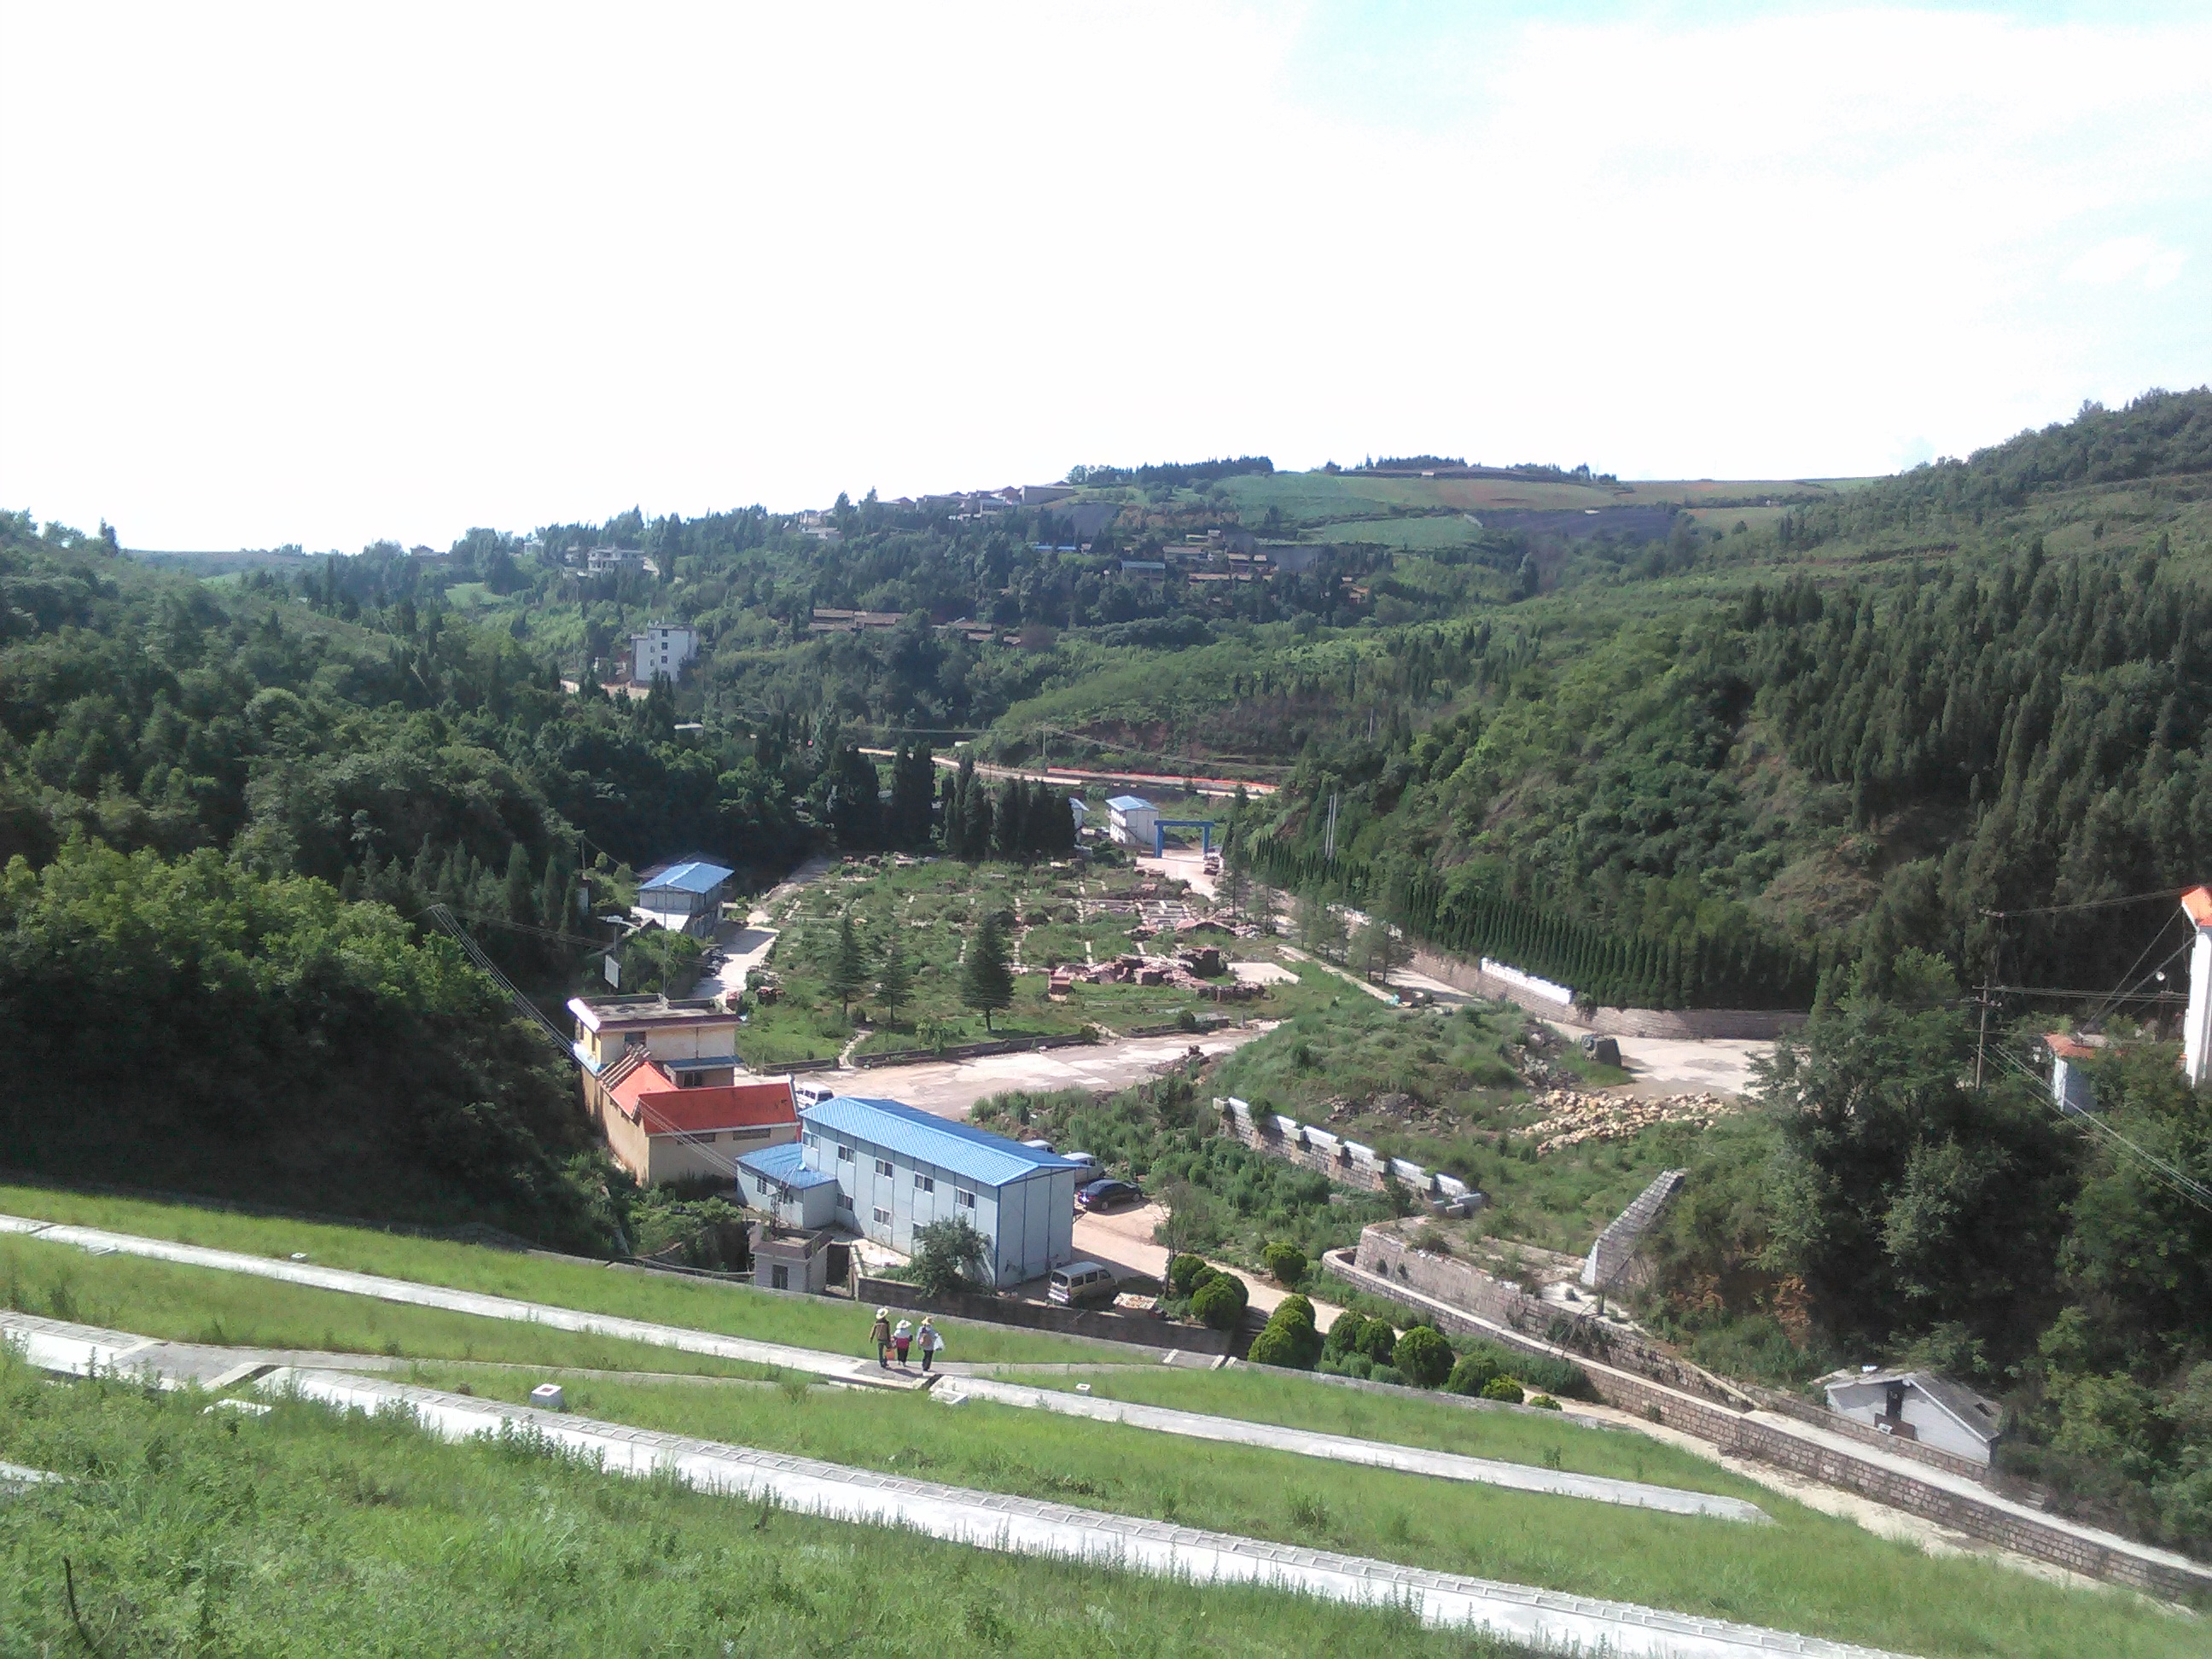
(1132,820)
(1918,1405)
(663,648)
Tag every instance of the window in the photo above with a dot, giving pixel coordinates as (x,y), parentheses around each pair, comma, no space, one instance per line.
(843,1202)
(844,1154)
(882,1216)
(811,1139)
(923,1183)
(884,1167)
(965,1199)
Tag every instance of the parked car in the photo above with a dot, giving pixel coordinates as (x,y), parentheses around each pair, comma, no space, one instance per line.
(1081,1281)
(1107,1194)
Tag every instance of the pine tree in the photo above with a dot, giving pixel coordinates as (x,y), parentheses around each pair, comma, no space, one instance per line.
(894,976)
(986,981)
(521,898)
(848,966)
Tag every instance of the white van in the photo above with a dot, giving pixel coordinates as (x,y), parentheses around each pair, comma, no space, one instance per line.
(1081,1281)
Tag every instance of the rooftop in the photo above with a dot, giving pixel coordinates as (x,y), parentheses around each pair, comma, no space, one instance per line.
(693,877)
(785,1163)
(959,1148)
(1976,1414)
(599,1013)
(651,1098)
(1131,804)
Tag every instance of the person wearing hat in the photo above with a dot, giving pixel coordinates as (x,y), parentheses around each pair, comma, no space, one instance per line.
(928,1340)
(902,1338)
(880,1335)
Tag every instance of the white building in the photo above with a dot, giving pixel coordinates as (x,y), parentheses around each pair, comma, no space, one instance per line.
(897,1169)
(1132,820)
(663,648)
(1918,1405)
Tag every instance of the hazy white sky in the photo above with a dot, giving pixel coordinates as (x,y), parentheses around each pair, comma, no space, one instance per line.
(322,274)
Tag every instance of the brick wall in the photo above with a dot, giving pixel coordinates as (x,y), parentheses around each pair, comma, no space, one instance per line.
(1985,1516)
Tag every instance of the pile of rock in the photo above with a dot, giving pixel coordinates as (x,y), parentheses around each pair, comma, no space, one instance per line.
(1571,1117)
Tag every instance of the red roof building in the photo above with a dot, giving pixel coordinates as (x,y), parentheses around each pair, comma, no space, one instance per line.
(660,1130)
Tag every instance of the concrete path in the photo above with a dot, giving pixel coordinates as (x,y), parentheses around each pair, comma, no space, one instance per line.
(841,1368)
(994,1520)
(1345,1448)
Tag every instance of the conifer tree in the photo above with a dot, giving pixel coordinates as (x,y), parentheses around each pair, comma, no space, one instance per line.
(848,966)
(986,982)
(894,976)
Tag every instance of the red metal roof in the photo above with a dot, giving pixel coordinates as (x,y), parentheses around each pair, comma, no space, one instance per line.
(649,1096)
(2197,901)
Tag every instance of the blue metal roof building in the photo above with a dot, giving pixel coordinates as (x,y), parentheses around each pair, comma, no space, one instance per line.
(683,897)
(897,1169)
(776,1179)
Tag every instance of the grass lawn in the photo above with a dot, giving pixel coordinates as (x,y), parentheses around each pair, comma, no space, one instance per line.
(1808,1572)
(302,1532)
(699,1304)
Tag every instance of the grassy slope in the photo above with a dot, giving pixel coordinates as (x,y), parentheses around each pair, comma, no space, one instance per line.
(300,1532)
(699,1304)
(1808,1572)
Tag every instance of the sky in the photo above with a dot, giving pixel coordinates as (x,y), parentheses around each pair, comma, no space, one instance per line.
(322,275)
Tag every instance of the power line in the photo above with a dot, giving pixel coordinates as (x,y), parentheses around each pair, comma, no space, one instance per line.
(2182,1185)
(2167,893)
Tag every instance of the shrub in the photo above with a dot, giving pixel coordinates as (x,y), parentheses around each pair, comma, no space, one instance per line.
(1352,1364)
(949,1257)
(1286,1263)
(1219,1301)
(1388,1374)
(1183,1272)
(1543,1402)
(1290,1339)
(1296,1310)
(1377,1339)
(1424,1355)
(1344,1335)
(1501,1387)
(1471,1373)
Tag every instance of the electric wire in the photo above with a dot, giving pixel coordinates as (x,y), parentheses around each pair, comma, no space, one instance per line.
(2183,1185)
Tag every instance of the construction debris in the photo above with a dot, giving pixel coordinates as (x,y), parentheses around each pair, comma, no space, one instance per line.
(1571,1117)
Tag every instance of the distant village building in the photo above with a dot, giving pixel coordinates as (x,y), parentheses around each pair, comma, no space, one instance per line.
(685,898)
(613,561)
(1918,1405)
(1132,820)
(827,619)
(663,648)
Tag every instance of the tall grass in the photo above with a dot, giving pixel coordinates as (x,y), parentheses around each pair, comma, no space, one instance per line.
(1809,1573)
(302,1533)
(834,1326)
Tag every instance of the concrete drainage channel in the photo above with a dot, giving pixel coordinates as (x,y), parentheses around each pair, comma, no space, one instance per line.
(994,1521)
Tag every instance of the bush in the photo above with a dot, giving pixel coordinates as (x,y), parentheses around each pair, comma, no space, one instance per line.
(1296,1310)
(1344,1336)
(1543,1402)
(1183,1272)
(1220,1300)
(1377,1340)
(1390,1374)
(1424,1355)
(1471,1373)
(1501,1387)
(949,1257)
(1286,1263)
(1352,1364)
(1290,1339)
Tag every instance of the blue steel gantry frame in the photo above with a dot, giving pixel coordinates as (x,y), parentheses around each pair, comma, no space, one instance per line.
(1161,826)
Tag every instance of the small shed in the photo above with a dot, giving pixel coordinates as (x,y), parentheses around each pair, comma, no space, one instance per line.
(1918,1405)
(788,1261)
(777,1180)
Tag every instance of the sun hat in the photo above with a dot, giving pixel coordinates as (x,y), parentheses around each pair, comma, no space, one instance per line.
(882,1313)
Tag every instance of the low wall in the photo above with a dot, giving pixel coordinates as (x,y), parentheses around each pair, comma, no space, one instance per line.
(1101,1324)
(967,1050)
(1984,1516)
(1345,1162)
(1749,1024)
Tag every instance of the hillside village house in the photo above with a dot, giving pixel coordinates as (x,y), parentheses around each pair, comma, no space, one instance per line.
(1918,1405)
(659,1080)
(1132,820)
(663,648)
(896,1168)
(685,898)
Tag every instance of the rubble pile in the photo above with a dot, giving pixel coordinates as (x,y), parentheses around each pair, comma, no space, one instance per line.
(1571,1117)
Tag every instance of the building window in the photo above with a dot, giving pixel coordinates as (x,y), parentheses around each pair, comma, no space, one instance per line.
(882,1216)
(964,1198)
(811,1139)
(843,1202)
(884,1167)
(923,1183)
(844,1154)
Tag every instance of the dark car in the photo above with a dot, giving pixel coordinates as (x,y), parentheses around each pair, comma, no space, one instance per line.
(1106,1194)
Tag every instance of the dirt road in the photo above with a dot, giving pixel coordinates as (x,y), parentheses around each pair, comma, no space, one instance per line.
(951,1089)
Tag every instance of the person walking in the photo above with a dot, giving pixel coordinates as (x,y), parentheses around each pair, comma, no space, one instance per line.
(881,1334)
(902,1337)
(929,1339)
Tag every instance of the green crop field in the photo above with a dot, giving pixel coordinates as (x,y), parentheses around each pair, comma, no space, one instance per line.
(182,1531)
(130,1288)
(1808,1572)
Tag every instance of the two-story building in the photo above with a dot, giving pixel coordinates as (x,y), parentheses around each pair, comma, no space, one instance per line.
(661,1081)
(685,898)
(897,1169)
(1132,820)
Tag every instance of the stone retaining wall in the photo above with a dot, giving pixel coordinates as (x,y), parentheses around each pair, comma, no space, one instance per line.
(969,1050)
(1345,1162)
(1986,1516)
(1102,1324)
(1752,1024)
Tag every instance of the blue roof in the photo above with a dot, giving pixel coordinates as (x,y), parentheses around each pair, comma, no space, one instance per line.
(1131,804)
(692,878)
(785,1163)
(960,1149)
